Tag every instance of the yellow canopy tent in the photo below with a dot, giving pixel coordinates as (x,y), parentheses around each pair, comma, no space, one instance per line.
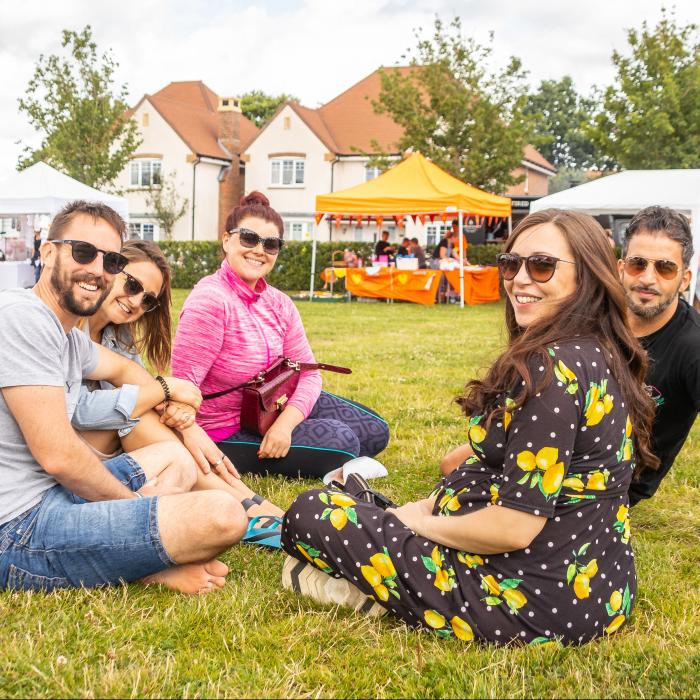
(413,186)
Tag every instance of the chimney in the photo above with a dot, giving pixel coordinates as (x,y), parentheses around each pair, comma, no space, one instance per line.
(231,177)
(229,113)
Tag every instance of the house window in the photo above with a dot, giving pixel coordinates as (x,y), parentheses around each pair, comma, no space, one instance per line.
(287,172)
(371,173)
(434,232)
(146,232)
(145,172)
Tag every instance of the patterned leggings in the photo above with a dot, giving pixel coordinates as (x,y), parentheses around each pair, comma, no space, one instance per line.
(336,431)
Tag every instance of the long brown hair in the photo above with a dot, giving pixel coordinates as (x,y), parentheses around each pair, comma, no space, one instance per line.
(151,334)
(597,308)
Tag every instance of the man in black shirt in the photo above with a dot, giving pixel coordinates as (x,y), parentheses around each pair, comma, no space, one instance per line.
(654,271)
(383,247)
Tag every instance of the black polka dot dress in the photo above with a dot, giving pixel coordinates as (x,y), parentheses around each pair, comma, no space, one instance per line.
(565,455)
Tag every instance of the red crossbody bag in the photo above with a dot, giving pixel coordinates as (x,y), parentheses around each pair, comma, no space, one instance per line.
(266,394)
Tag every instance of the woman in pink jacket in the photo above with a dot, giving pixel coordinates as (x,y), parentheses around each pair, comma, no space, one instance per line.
(232,326)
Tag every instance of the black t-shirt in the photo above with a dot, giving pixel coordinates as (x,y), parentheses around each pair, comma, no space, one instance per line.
(444,243)
(380,248)
(674,378)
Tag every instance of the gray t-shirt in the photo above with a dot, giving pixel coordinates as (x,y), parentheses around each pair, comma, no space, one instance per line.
(34,351)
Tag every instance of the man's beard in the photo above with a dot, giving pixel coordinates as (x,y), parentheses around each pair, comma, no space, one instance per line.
(649,310)
(64,288)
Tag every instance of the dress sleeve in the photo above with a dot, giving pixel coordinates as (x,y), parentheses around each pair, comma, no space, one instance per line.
(296,347)
(199,338)
(540,442)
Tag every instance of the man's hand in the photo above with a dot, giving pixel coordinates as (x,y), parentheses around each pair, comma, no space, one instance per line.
(207,455)
(174,414)
(183,391)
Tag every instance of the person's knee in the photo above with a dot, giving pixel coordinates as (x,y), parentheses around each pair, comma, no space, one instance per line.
(227,519)
(344,438)
(380,435)
(181,465)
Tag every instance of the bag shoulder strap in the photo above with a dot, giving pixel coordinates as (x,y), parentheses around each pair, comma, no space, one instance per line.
(298,366)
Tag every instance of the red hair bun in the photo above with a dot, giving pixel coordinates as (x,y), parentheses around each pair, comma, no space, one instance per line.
(253,198)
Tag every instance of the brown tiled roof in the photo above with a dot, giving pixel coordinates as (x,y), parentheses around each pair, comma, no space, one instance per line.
(348,124)
(353,123)
(534,156)
(190,109)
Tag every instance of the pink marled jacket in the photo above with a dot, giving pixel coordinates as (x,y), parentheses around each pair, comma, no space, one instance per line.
(227,334)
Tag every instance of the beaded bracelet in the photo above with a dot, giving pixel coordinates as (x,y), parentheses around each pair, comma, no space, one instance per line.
(166,388)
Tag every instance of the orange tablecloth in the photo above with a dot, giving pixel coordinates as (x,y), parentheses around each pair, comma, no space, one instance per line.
(480,284)
(418,286)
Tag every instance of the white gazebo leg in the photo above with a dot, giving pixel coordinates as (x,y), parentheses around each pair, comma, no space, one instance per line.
(461,262)
(313,259)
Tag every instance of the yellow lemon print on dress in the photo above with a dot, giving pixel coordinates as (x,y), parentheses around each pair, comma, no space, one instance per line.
(462,629)
(381,574)
(340,510)
(618,608)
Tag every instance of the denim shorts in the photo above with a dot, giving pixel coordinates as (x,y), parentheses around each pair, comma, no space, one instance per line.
(67,542)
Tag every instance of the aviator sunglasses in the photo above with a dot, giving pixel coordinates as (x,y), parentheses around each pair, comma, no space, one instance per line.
(250,239)
(540,268)
(84,253)
(132,287)
(635,265)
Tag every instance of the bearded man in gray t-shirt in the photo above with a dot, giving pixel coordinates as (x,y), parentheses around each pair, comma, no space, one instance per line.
(67,519)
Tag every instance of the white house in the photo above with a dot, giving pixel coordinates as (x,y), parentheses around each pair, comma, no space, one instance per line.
(193,137)
(302,152)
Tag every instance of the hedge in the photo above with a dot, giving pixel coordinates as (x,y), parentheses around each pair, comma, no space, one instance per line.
(192,260)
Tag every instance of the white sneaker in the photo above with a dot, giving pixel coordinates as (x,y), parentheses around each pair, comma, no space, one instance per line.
(367,467)
(306,579)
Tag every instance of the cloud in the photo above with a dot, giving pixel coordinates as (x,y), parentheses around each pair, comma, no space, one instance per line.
(314,49)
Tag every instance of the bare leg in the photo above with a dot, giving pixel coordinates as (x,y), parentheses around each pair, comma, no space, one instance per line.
(194,528)
(104,441)
(150,429)
(454,458)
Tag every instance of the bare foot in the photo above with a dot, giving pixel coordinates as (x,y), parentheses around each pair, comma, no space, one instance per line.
(191,578)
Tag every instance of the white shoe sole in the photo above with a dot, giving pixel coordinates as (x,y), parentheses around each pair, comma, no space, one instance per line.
(305,579)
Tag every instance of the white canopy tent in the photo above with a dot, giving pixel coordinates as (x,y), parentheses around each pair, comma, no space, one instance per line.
(40,189)
(632,190)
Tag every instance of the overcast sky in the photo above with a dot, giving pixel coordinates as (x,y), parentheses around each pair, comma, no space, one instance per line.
(313,49)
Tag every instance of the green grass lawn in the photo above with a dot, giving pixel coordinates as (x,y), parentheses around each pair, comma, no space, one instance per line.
(254,639)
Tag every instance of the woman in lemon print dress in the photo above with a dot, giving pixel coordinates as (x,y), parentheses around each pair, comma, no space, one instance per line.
(528,539)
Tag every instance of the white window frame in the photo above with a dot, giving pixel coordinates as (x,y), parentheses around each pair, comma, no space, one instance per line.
(295,167)
(137,229)
(372,172)
(137,173)
(435,232)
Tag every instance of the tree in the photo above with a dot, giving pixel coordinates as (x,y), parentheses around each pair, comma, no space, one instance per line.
(559,114)
(650,116)
(166,204)
(87,133)
(259,106)
(457,113)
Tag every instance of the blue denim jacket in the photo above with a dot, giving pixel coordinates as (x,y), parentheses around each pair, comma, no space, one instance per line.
(102,406)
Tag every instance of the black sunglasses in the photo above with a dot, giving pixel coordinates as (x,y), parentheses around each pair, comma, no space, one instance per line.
(635,265)
(84,253)
(540,268)
(132,287)
(250,239)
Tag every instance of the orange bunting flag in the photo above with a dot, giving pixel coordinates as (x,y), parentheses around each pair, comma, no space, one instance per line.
(359,220)
(380,221)
(318,218)
(421,218)
(337,220)
(431,217)
(443,218)
(398,220)
(490,220)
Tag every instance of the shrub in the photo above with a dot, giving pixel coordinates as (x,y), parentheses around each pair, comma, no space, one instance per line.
(192,260)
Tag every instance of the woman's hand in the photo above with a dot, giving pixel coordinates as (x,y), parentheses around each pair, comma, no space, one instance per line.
(184,391)
(276,443)
(207,455)
(415,514)
(176,415)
